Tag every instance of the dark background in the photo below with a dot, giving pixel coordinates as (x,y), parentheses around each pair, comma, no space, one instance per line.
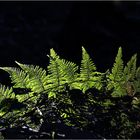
(29,29)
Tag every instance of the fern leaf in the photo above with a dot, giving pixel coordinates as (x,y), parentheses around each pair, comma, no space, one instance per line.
(130,69)
(6,92)
(37,76)
(55,73)
(69,70)
(119,90)
(87,66)
(137,81)
(87,71)
(18,77)
(116,78)
(117,70)
(7,97)
(138,73)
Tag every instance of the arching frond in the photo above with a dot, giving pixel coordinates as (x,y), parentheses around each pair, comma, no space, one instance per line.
(18,77)
(37,76)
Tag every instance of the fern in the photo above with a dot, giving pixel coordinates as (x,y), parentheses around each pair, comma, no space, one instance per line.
(116,78)
(37,77)
(87,66)
(55,78)
(6,95)
(138,73)
(70,72)
(87,72)
(21,80)
(6,92)
(117,70)
(69,104)
(18,77)
(130,69)
(137,81)
(55,75)
(121,76)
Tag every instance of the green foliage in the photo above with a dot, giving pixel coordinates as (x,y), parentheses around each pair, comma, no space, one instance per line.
(17,76)
(6,95)
(137,80)
(117,70)
(37,77)
(88,74)
(130,69)
(6,92)
(116,77)
(92,101)
(56,75)
(70,72)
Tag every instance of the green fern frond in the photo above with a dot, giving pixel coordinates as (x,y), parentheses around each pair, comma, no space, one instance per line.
(117,70)
(87,68)
(18,77)
(119,90)
(37,77)
(116,79)
(87,71)
(6,92)
(138,73)
(69,70)
(55,74)
(6,96)
(130,69)
(137,81)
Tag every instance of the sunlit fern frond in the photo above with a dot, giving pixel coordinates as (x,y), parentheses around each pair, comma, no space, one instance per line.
(119,90)
(116,77)
(87,71)
(37,77)
(55,73)
(6,92)
(87,68)
(130,69)
(6,97)
(69,70)
(18,77)
(117,70)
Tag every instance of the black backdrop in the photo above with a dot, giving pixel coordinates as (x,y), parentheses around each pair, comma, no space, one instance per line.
(29,29)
